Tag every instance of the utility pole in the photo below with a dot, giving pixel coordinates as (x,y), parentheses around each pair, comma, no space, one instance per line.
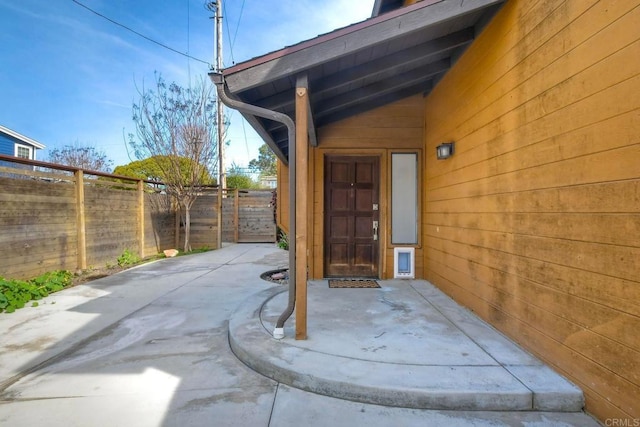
(223,175)
(216,7)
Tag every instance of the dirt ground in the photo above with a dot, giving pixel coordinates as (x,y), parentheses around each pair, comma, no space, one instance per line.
(96,273)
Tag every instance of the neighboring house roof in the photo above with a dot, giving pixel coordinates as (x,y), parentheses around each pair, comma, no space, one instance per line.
(386,58)
(21,138)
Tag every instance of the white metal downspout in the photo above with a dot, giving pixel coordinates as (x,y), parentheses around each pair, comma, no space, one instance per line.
(218,80)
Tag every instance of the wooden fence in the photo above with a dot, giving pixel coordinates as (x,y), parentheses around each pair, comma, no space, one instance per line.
(55,217)
(247,217)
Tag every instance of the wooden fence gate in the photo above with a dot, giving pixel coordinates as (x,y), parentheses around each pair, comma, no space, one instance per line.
(247,217)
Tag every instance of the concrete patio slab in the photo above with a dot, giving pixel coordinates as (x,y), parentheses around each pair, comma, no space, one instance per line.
(320,410)
(405,345)
(150,347)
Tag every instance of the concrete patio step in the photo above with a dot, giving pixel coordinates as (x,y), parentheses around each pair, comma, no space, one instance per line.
(404,345)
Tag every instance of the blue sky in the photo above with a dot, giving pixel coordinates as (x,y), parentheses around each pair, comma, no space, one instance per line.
(69,75)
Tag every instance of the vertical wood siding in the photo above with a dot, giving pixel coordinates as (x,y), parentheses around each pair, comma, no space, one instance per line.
(534,223)
(255,223)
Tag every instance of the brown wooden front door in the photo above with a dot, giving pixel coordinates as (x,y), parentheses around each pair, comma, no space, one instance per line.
(351,187)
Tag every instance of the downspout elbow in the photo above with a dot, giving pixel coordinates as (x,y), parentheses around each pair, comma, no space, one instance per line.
(218,80)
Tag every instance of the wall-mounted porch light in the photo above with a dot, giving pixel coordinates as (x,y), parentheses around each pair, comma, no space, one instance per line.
(444,150)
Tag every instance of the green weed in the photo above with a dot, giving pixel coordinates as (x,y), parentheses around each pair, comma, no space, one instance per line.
(14,293)
(283,240)
(128,258)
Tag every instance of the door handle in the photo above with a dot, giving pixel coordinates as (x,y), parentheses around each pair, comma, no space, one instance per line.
(375,230)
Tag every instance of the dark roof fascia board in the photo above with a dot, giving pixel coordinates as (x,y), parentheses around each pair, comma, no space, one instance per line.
(343,78)
(348,40)
(324,38)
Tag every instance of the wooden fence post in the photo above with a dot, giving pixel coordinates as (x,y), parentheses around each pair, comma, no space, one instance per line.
(141,217)
(236,215)
(81,221)
(219,208)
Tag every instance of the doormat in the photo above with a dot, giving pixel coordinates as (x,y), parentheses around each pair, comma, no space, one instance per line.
(352,283)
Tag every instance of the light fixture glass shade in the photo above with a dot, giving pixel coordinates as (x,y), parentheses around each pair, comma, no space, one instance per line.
(444,150)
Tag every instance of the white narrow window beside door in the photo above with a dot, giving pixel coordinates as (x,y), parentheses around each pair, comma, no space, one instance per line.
(404,198)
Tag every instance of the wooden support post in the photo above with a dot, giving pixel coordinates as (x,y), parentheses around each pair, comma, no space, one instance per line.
(219,209)
(301,208)
(141,217)
(81,221)
(236,215)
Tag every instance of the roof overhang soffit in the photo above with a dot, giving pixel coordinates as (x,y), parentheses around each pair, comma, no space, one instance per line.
(357,68)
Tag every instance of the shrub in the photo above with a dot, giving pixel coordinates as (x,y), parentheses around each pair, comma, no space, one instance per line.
(283,240)
(128,258)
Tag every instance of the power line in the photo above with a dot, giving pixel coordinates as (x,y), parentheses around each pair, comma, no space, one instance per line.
(140,34)
(232,41)
(233,61)
(189,42)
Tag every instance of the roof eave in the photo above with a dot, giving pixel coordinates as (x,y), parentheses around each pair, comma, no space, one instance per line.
(326,38)
(22,138)
(345,41)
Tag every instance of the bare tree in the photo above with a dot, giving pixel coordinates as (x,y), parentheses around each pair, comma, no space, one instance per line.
(175,123)
(80,156)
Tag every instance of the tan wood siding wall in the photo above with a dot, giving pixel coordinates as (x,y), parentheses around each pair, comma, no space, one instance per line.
(395,127)
(534,223)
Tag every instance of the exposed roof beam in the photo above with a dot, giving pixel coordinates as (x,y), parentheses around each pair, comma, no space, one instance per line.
(417,55)
(421,87)
(378,30)
(376,89)
(373,91)
(378,101)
